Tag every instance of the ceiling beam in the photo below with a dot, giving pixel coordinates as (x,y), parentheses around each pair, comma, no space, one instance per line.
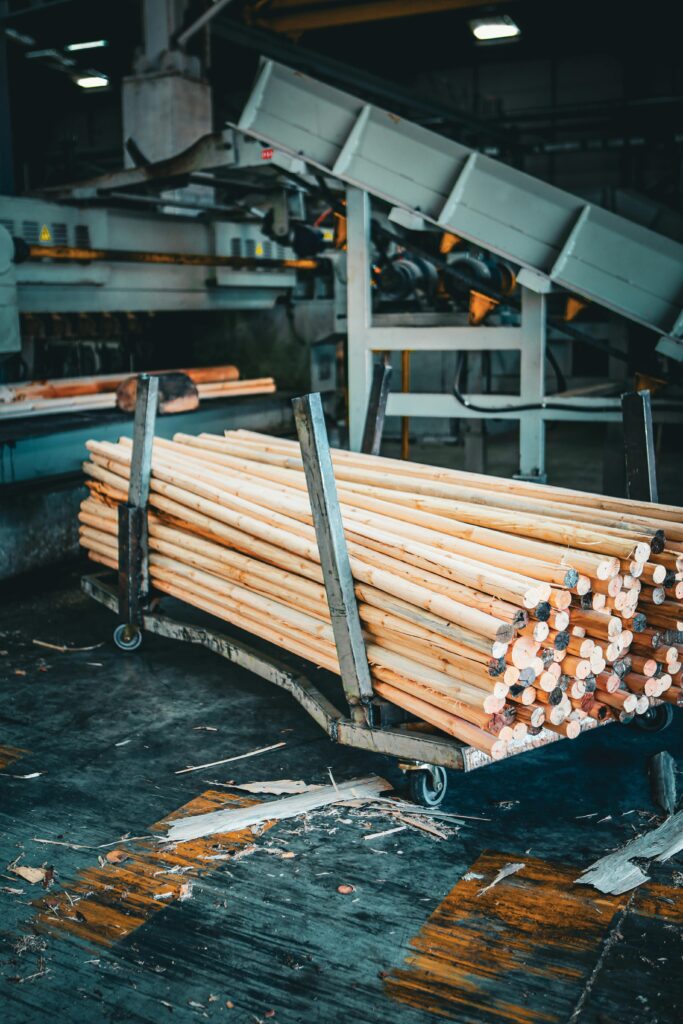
(293,16)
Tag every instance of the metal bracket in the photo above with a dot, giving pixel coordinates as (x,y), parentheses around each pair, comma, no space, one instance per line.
(134,585)
(377,408)
(639,449)
(334,557)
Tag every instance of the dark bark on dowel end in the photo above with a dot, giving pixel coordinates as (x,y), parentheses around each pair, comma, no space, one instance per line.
(542,611)
(561,641)
(571,578)
(657,542)
(563,682)
(622,667)
(505,633)
(639,623)
(496,666)
(527,676)
(589,683)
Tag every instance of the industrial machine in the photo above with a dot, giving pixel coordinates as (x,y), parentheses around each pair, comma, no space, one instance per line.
(552,240)
(409,243)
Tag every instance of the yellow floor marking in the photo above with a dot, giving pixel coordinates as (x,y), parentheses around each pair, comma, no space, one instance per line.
(104,904)
(8,755)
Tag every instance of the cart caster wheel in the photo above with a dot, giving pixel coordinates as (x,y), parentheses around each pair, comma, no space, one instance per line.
(428,786)
(656,719)
(127,638)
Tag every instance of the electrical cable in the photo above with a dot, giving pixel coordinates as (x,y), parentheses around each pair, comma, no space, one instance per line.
(534,406)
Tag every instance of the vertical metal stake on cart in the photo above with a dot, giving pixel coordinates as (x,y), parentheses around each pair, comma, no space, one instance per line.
(134,583)
(639,446)
(427,781)
(377,408)
(334,557)
(641,485)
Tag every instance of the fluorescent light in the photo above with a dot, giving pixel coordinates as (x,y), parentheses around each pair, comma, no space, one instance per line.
(20,37)
(92,81)
(93,44)
(494,29)
(39,54)
(51,55)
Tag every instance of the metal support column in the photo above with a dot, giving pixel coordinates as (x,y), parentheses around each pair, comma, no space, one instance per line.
(359,311)
(7,184)
(532,386)
(639,448)
(334,557)
(377,408)
(134,584)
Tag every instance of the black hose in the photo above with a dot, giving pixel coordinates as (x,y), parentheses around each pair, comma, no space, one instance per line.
(530,406)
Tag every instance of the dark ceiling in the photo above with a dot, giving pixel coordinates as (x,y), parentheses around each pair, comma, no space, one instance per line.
(62,132)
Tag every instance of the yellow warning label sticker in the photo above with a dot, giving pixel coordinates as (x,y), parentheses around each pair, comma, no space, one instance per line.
(328,235)
(259,249)
(45,235)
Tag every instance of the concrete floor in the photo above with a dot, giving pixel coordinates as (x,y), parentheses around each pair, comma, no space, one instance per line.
(269,937)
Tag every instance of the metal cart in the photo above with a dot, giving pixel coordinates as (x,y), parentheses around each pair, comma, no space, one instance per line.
(370,723)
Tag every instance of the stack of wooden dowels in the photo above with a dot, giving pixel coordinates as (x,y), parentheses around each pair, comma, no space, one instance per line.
(491,608)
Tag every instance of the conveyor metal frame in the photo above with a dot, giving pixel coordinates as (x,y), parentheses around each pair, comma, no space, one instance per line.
(556,238)
(551,233)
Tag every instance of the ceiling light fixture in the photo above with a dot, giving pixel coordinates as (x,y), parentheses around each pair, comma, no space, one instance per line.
(497,29)
(20,37)
(94,44)
(92,81)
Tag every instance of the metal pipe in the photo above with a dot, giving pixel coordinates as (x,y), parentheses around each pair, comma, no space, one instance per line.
(201,21)
(66,253)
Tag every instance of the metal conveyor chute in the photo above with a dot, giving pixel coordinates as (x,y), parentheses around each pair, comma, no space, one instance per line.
(583,248)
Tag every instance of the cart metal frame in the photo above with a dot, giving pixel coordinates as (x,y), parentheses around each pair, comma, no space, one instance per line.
(370,724)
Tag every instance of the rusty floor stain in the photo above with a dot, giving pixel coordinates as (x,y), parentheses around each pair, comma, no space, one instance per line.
(105,904)
(520,953)
(8,755)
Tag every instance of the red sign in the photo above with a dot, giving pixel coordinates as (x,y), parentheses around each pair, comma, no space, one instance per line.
(266,154)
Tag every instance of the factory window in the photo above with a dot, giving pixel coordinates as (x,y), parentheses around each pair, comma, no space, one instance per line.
(235,246)
(29,231)
(267,250)
(280,252)
(82,236)
(59,236)
(250,247)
